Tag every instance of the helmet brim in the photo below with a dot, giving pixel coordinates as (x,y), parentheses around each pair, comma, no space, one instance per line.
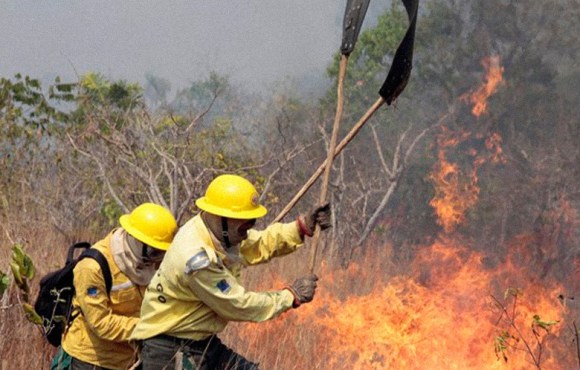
(258,212)
(134,232)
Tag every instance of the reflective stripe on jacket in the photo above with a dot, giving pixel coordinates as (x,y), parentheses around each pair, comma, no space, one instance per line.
(99,335)
(198,304)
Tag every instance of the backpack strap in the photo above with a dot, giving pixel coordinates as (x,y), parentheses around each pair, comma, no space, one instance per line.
(102,261)
(70,256)
(98,256)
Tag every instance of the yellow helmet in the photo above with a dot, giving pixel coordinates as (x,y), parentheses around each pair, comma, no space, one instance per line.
(151,224)
(232,196)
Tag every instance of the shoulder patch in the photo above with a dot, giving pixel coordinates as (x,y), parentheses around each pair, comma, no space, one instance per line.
(223,286)
(92,291)
(197,262)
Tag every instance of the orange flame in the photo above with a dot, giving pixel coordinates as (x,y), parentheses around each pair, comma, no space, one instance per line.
(456,191)
(445,313)
(493,79)
(453,193)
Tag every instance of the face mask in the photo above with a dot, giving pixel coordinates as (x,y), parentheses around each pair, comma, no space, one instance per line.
(239,230)
(148,254)
(151,255)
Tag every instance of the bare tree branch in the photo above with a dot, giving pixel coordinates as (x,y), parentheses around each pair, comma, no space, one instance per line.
(378,147)
(104,177)
(216,94)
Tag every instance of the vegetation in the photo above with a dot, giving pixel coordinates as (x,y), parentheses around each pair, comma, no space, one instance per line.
(76,155)
(510,338)
(4,282)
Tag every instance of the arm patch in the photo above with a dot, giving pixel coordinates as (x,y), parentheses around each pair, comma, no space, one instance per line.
(197,262)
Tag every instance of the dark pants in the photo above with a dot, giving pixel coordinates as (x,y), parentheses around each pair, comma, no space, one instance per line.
(64,361)
(161,352)
(77,364)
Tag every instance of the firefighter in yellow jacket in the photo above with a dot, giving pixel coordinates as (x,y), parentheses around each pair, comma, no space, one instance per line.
(196,290)
(98,337)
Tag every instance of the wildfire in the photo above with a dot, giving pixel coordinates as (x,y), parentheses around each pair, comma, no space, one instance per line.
(443,317)
(448,312)
(454,192)
(493,80)
(451,307)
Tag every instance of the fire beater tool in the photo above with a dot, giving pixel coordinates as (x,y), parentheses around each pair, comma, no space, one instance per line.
(354,15)
(393,86)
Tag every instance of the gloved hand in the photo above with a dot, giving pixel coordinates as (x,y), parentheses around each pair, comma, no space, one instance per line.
(320,215)
(303,289)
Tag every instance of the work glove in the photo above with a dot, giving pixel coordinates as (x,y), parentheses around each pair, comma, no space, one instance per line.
(320,215)
(303,289)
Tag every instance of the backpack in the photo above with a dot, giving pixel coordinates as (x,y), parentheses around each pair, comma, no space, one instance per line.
(54,301)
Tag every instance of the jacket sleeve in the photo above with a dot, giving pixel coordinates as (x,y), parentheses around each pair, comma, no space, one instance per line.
(276,240)
(220,290)
(91,294)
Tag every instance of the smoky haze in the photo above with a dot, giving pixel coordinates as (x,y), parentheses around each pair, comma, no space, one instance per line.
(255,43)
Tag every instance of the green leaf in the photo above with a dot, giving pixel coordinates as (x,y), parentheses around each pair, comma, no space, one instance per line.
(543,324)
(31,314)
(24,262)
(4,283)
(500,346)
(16,273)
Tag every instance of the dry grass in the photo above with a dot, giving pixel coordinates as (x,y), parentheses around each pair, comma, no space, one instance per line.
(356,306)
(21,343)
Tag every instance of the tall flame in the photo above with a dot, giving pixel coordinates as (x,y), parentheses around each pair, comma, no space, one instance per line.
(454,192)
(493,79)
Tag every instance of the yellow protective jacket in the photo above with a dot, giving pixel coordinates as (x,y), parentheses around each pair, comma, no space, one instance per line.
(100,334)
(197,304)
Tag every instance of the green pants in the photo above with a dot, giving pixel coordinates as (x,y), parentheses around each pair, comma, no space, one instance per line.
(61,361)
(64,361)
(162,352)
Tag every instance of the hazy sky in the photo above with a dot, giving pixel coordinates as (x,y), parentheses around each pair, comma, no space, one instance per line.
(254,42)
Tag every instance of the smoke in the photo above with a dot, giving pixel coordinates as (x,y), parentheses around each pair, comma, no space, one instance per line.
(255,43)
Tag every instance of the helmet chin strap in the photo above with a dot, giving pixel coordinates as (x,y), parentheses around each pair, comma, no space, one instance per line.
(225,233)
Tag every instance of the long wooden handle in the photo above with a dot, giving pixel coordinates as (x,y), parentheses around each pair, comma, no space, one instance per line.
(330,153)
(352,133)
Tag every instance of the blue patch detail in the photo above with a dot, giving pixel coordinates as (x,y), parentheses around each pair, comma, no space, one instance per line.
(92,291)
(223,286)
